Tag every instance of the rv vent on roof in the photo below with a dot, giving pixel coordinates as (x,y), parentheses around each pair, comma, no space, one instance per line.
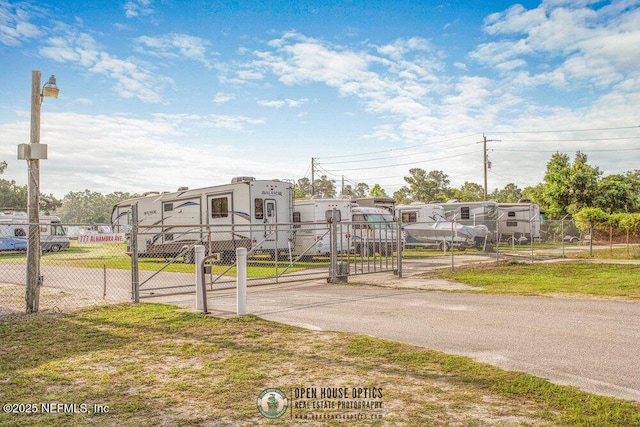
(150,193)
(183,188)
(237,179)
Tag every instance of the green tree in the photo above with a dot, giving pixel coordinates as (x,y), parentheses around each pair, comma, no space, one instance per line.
(360,190)
(615,194)
(468,192)
(325,187)
(509,194)
(302,189)
(569,187)
(14,196)
(378,191)
(402,196)
(424,186)
(87,207)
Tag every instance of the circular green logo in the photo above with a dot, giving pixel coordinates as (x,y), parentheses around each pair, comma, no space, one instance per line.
(272,403)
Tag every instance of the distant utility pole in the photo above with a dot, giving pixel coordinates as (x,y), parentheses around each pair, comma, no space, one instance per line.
(485,161)
(313,177)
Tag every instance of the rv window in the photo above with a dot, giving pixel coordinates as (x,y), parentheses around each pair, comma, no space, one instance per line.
(511,213)
(57,230)
(328,215)
(512,223)
(220,207)
(409,217)
(271,210)
(464,212)
(259,208)
(296,218)
(168,236)
(19,232)
(168,207)
(358,219)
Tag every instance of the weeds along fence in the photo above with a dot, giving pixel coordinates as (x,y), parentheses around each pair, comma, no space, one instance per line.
(147,261)
(528,240)
(87,272)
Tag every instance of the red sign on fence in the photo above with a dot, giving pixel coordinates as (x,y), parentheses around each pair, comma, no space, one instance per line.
(88,239)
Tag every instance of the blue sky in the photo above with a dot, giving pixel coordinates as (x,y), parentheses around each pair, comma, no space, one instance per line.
(155,95)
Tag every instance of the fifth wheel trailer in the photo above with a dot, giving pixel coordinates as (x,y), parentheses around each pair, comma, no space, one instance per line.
(244,213)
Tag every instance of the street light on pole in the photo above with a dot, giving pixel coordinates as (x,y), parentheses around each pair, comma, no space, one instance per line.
(33,153)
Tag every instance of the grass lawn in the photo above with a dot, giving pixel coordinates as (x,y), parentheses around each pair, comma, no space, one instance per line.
(151,365)
(114,256)
(569,277)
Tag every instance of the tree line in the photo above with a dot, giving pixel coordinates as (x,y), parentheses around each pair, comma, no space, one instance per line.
(567,188)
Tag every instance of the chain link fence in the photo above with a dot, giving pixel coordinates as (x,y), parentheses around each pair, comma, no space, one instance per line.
(91,269)
(126,265)
(513,240)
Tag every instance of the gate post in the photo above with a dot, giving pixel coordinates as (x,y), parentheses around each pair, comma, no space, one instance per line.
(241,279)
(399,246)
(333,227)
(133,246)
(201,295)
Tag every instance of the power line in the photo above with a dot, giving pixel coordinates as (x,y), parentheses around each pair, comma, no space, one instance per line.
(401,148)
(568,130)
(406,164)
(555,151)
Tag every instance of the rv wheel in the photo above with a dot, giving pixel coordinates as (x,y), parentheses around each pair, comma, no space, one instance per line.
(444,246)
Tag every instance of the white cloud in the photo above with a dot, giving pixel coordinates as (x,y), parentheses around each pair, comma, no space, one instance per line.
(136,8)
(223,98)
(175,46)
(291,103)
(582,44)
(132,80)
(123,153)
(15,26)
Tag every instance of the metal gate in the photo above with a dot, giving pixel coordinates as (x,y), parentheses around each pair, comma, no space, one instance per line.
(277,253)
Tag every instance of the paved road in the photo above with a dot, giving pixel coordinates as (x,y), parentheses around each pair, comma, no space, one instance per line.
(591,344)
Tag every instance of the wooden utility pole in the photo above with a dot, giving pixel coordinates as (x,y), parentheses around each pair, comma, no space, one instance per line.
(313,177)
(485,161)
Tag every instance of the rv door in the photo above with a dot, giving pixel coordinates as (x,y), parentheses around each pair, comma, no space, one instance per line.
(270,218)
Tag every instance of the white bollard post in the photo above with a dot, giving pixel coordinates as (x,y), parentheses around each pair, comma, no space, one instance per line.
(199,252)
(241,277)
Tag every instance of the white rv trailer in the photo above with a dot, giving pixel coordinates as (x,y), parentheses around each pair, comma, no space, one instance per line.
(519,222)
(14,231)
(312,229)
(373,230)
(474,214)
(244,213)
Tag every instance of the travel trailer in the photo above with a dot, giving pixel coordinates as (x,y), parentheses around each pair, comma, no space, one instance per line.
(474,213)
(14,230)
(244,213)
(424,224)
(373,230)
(312,230)
(518,222)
